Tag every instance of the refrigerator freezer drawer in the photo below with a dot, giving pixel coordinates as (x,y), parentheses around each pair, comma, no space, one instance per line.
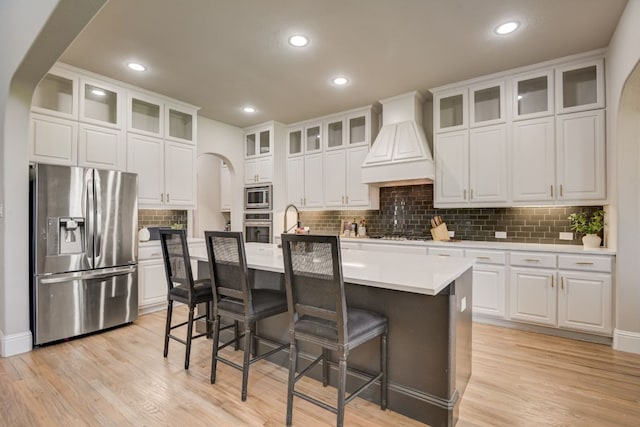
(68,305)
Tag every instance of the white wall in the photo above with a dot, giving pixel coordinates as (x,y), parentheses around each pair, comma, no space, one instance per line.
(623,135)
(225,141)
(33,34)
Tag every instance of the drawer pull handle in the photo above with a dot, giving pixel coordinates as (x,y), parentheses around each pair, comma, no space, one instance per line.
(483,257)
(443,255)
(552,281)
(562,282)
(532,260)
(584,263)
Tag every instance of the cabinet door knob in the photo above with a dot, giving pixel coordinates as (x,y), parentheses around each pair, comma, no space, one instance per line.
(343,200)
(161,197)
(562,282)
(561,191)
(552,281)
(551,190)
(347,199)
(168,198)
(464,194)
(471,196)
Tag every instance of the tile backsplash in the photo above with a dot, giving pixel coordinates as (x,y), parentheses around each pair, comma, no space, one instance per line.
(161,218)
(408,211)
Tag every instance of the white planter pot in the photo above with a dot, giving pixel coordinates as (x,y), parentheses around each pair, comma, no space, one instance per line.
(591,241)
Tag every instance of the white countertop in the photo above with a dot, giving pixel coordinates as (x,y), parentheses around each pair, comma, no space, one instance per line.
(472,244)
(415,273)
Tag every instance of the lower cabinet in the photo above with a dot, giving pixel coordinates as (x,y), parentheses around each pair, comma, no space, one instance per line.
(533,295)
(152,281)
(584,301)
(488,289)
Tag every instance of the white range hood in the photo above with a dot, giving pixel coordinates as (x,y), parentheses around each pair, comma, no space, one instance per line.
(400,155)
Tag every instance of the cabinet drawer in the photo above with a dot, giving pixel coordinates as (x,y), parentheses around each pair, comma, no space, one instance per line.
(585,263)
(486,257)
(459,253)
(533,259)
(149,252)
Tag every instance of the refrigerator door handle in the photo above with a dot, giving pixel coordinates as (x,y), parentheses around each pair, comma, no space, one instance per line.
(97,201)
(89,207)
(102,274)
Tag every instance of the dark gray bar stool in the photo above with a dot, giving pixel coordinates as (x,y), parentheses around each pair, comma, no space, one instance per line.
(319,314)
(182,288)
(236,299)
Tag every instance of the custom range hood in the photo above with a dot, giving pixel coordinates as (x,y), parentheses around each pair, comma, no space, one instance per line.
(400,155)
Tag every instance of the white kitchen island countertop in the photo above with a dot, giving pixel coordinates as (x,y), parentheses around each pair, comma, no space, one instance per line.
(416,273)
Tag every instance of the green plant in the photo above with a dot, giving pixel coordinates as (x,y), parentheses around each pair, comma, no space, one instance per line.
(580,223)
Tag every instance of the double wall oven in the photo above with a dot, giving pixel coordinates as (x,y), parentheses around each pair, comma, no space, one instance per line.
(258,215)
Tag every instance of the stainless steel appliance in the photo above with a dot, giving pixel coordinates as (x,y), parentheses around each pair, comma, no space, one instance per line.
(258,197)
(258,227)
(83,230)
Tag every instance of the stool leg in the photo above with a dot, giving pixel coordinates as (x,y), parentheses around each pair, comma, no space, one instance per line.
(293,360)
(189,333)
(384,381)
(248,337)
(236,335)
(208,320)
(167,329)
(325,367)
(342,382)
(254,340)
(214,351)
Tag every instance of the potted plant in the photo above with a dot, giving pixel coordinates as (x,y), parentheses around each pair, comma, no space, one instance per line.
(589,226)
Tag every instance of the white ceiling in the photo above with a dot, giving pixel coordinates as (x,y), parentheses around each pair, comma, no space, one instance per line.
(224,54)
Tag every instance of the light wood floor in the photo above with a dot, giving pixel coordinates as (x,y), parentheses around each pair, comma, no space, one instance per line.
(119,378)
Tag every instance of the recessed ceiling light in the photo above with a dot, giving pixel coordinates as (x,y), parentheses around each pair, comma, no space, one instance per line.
(340,81)
(507,27)
(298,41)
(136,67)
(249,109)
(98,92)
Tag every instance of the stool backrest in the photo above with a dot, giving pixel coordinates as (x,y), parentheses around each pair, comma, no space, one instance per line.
(313,277)
(177,265)
(228,266)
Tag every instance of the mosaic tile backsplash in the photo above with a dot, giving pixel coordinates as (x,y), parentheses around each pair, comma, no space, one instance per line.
(408,211)
(161,218)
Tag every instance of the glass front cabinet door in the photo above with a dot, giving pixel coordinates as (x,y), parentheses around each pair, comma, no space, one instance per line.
(145,115)
(487,104)
(294,141)
(451,110)
(532,95)
(580,86)
(100,103)
(334,133)
(57,95)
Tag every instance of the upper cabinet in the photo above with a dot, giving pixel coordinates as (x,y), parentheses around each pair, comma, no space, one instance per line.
(83,119)
(258,142)
(450,110)
(487,106)
(580,86)
(532,95)
(100,103)
(334,131)
(57,94)
(259,158)
(534,135)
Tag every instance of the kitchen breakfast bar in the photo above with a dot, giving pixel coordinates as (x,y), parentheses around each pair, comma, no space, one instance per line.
(427,300)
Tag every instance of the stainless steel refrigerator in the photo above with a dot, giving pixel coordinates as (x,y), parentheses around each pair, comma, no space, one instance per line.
(83,230)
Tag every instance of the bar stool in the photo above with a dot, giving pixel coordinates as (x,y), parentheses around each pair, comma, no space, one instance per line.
(319,314)
(182,288)
(236,299)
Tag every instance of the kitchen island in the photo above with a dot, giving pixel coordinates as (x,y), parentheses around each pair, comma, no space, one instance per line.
(427,300)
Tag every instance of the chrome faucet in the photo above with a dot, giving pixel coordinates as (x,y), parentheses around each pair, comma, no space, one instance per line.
(286,230)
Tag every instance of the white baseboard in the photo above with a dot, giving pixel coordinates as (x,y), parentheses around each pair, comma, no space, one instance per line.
(10,345)
(626,341)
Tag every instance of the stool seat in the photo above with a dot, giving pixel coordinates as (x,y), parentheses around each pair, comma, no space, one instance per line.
(201,291)
(266,302)
(360,325)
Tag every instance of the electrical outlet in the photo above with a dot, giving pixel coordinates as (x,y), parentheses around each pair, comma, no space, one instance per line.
(565,236)
(452,233)
(501,234)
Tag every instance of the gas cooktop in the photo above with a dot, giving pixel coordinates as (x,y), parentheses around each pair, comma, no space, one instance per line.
(398,237)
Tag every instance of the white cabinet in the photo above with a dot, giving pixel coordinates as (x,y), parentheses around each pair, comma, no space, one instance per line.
(533,172)
(471,167)
(580,140)
(258,166)
(304,181)
(568,168)
(334,131)
(165,171)
(258,170)
(585,294)
(294,141)
(489,282)
(53,140)
(100,147)
(533,295)
(225,188)
(100,103)
(447,252)
(486,105)
(145,114)
(533,95)
(342,179)
(180,123)
(580,86)
(57,94)
(450,110)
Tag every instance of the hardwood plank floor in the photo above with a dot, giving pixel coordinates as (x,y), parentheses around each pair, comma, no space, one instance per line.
(119,378)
